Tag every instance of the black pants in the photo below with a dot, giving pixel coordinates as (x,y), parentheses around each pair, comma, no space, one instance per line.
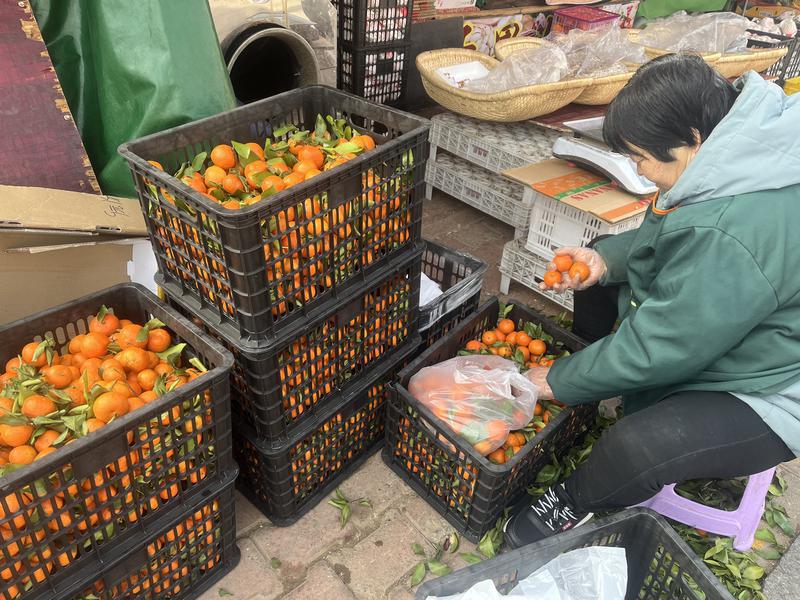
(688,435)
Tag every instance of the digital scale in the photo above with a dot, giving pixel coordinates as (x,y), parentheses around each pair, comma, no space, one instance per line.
(587,149)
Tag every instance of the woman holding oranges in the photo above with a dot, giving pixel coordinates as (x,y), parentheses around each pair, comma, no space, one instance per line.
(706,356)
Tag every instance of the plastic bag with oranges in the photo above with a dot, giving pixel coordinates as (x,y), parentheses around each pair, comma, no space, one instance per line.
(481,398)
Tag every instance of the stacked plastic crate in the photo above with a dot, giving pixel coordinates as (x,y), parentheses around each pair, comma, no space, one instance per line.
(315,293)
(142,507)
(373,48)
(467,159)
(553,225)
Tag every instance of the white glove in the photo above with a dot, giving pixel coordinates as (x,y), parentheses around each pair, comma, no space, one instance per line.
(538,376)
(592,258)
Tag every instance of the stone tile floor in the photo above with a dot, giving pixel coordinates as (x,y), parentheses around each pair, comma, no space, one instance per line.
(371,558)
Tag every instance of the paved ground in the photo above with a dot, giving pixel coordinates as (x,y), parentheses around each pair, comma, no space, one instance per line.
(371,558)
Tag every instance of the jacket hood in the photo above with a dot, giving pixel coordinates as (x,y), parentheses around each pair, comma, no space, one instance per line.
(756,147)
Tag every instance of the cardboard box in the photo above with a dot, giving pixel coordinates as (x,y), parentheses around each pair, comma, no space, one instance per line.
(584,190)
(57,245)
(766,8)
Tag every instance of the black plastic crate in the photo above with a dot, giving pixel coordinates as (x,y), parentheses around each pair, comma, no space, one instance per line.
(185,557)
(288,481)
(448,321)
(367,23)
(470,491)
(379,74)
(788,66)
(278,389)
(272,265)
(460,275)
(78,505)
(661,566)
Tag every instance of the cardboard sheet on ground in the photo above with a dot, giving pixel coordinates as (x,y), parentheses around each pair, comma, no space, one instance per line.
(57,245)
(582,189)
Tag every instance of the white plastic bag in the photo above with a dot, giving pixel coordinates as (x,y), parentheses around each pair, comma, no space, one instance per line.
(594,573)
(429,290)
(481,397)
(708,32)
(546,64)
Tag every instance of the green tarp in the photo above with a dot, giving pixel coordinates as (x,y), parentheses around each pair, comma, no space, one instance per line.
(133,67)
(653,9)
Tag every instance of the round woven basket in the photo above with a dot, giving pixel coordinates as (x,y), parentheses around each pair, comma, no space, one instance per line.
(711,58)
(601,90)
(519,104)
(505,48)
(734,65)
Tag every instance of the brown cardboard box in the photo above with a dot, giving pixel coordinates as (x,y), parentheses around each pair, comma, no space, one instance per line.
(57,245)
(582,189)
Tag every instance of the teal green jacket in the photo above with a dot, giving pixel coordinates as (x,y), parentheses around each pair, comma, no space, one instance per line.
(710,282)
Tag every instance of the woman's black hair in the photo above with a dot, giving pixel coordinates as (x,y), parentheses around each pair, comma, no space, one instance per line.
(664,103)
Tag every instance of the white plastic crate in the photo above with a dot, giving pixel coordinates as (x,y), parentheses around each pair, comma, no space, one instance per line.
(555,224)
(493,194)
(527,268)
(494,146)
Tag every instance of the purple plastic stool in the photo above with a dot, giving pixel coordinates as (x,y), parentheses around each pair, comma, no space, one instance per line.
(741,524)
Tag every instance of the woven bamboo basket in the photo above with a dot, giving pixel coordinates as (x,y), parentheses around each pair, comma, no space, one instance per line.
(734,65)
(519,104)
(601,90)
(505,48)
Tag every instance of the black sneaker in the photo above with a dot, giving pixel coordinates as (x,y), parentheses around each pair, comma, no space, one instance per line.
(532,521)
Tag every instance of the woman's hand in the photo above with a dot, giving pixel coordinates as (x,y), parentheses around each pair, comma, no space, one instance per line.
(592,259)
(538,376)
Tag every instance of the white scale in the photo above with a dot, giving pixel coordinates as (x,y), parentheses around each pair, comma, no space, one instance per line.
(587,149)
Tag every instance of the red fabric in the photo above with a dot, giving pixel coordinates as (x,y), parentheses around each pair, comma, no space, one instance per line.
(40,145)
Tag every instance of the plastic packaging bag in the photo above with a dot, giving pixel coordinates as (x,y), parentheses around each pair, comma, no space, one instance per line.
(482,398)
(547,64)
(594,573)
(599,52)
(429,290)
(711,32)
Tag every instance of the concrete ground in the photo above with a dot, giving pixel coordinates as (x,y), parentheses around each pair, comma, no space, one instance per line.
(371,557)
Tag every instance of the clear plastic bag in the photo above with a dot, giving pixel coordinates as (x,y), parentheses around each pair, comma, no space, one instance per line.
(709,32)
(599,52)
(594,573)
(481,398)
(547,64)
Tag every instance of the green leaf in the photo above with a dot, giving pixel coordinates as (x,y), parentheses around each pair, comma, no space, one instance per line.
(783,522)
(470,558)
(101,314)
(486,546)
(773,489)
(418,574)
(198,161)
(364,502)
(282,131)
(275,563)
(143,335)
(766,535)
(452,543)
(348,148)
(223,592)
(768,553)
(753,572)
(246,156)
(39,350)
(417,549)
(171,355)
(438,568)
(320,128)
(345,516)
(734,570)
